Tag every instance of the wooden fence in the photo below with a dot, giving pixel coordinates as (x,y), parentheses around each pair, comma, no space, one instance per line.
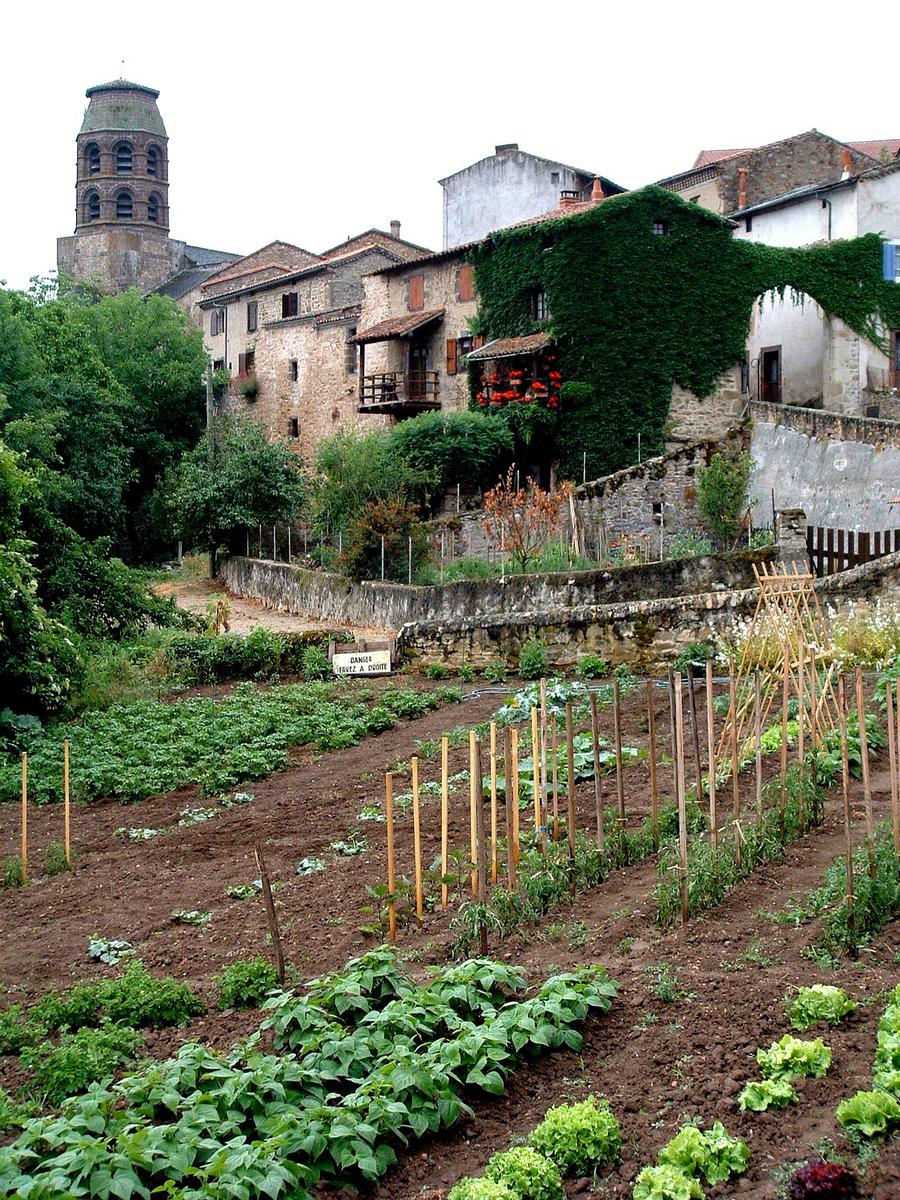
(832,550)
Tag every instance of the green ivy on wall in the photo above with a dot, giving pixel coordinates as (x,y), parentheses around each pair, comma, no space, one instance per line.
(633,311)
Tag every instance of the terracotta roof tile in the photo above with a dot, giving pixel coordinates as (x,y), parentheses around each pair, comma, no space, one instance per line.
(398,326)
(707,157)
(874,148)
(507,347)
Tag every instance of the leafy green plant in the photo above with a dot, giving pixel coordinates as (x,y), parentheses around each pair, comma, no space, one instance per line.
(316,664)
(191,916)
(466,673)
(689,545)
(243,891)
(763,1094)
(109,950)
(480,1189)
(437,670)
(821,1002)
(196,816)
(533,661)
(80,1059)
(794,1058)
(496,671)
(578,1138)
(665,983)
(869,1114)
(13,876)
(55,861)
(245,984)
(591,666)
(711,1154)
(310,866)
(527,1174)
(666,1183)
(697,654)
(722,494)
(818,1180)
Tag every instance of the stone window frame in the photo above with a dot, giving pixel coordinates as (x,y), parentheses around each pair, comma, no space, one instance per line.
(252,316)
(537,301)
(154,206)
(92,160)
(124,165)
(121,195)
(91,206)
(293,370)
(351,361)
(290,305)
(154,155)
(293,429)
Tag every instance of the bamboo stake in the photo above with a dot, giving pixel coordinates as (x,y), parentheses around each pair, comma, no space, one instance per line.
(672,733)
(785,700)
(893,760)
(866,779)
(271,915)
(757,739)
(845,793)
(417,838)
(598,782)
(391,882)
(515,779)
(735,765)
(493,760)
(474,789)
(801,730)
(695,733)
(543,749)
(508,805)
(570,794)
(710,737)
(24,850)
(445,833)
(654,799)
(554,777)
(617,732)
(67,841)
(682,814)
(481,858)
(536,772)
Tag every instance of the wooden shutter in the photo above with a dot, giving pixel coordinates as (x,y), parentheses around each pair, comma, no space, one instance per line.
(416,292)
(467,282)
(242,363)
(213,323)
(890,261)
(478,341)
(451,356)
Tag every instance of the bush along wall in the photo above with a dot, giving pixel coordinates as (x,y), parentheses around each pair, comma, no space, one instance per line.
(646,290)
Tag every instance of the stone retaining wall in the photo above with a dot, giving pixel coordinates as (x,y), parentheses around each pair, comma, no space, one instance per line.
(829,426)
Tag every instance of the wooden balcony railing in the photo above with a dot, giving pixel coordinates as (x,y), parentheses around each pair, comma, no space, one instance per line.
(394,391)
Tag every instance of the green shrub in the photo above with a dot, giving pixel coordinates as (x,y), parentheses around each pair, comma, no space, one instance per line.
(496,671)
(55,862)
(821,1002)
(246,984)
(17,1031)
(466,673)
(135,998)
(591,666)
(480,1189)
(437,670)
(316,663)
(689,545)
(391,524)
(468,448)
(697,654)
(79,1060)
(12,872)
(533,659)
(578,1137)
(528,1174)
(722,494)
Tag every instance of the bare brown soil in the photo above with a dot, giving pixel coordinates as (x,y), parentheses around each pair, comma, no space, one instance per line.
(658,1062)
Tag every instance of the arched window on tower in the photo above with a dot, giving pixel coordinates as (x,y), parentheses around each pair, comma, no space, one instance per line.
(124,158)
(92,158)
(153,157)
(154,208)
(92,206)
(124,206)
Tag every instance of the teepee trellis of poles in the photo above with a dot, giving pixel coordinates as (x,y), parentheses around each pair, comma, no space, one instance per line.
(789,645)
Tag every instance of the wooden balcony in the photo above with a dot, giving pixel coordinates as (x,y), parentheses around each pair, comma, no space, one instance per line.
(399,394)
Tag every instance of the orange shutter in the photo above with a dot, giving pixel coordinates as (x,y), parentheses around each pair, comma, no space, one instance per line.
(467,283)
(451,356)
(416,292)
(242,363)
(478,341)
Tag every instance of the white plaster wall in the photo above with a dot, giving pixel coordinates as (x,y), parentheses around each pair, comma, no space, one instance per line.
(499,191)
(795,323)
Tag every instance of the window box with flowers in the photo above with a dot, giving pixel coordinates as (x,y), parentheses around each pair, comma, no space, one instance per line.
(247,385)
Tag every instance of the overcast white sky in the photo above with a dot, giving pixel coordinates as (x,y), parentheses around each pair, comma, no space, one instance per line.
(311,122)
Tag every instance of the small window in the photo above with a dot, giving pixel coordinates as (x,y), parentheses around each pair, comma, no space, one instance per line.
(659,229)
(250,360)
(252,315)
(416,296)
(216,322)
(293,428)
(290,304)
(219,364)
(153,209)
(351,350)
(124,206)
(293,372)
(466,282)
(124,158)
(92,158)
(92,206)
(538,304)
(554,177)
(657,508)
(153,162)
(695,199)
(464,345)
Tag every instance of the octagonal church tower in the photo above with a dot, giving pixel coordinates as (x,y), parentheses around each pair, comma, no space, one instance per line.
(121,235)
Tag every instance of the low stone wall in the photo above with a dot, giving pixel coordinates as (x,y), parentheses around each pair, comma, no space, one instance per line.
(390,605)
(829,426)
(643,633)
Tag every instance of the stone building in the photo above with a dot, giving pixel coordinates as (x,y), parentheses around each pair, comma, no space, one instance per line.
(282,321)
(121,237)
(509,185)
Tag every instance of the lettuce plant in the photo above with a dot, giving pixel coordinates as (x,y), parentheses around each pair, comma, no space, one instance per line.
(480,1189)
(578,1137)
(526,1173)
(821,1002)
(794,1058)
(819,1180)
(761,1094)
(713,1154)
(666,1183)
(869,1113)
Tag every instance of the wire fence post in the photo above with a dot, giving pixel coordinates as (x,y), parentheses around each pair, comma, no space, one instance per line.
(382,558)
(410,559)
(289,545)
(274,546)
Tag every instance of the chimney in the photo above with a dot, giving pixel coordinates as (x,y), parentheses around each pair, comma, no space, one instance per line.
(846,163)
(506,148)
(395,229)
(597,192)
(569,197)
(742,186)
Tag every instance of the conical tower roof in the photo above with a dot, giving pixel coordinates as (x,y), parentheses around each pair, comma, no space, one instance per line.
(122,105)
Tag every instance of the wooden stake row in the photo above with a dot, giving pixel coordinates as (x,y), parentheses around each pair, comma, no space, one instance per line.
(67,833)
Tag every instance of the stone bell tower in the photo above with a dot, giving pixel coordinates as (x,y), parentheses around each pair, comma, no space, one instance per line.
(121,235)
